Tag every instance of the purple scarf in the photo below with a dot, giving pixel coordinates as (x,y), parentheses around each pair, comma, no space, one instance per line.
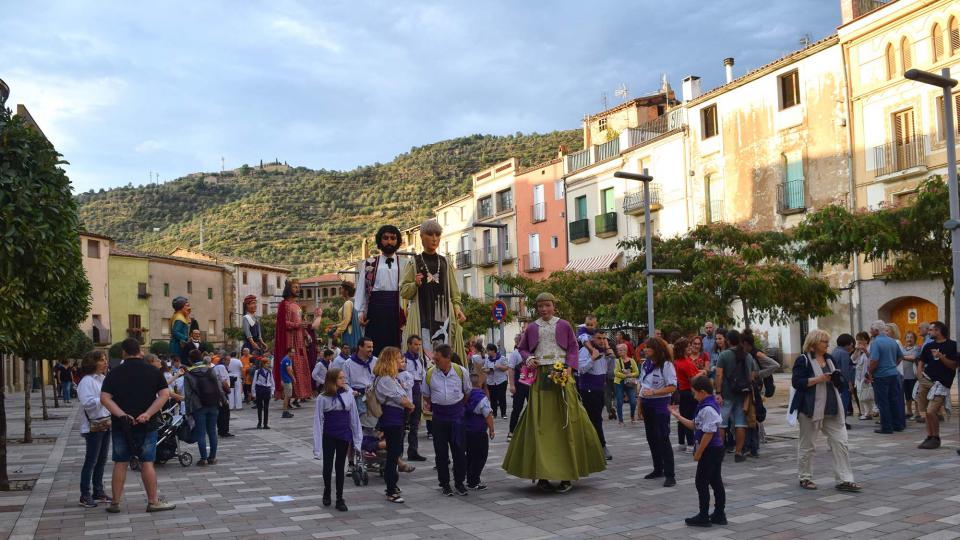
(365,364)
(716,440)
(473,422)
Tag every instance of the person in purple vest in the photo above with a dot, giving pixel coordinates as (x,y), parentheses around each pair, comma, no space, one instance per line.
(445,392)
(478,424)
(658,382)
(595,357)
(708,453)
(336,425)
(554,439)
(394,404)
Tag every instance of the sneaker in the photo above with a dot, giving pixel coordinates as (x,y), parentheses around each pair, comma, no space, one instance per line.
(504,417)
(698,520)
(739,458)
(864,417)
(259,426)
(160,506)
(87,501)
(461,490)
(114,508)
(341,506)
(681,448)
(102,498)
(564,486)
(211,461)
(509,437)
(930,443)
(286,414)
(670,482)
(266,427)
(654,474)
(395,498)
(202,463)
(544,485)
(228,435)
(447,491)
(718,518)
(478,487)
(326,499)
(607,454)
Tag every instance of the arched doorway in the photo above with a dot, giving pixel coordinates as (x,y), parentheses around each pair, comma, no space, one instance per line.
(908,312)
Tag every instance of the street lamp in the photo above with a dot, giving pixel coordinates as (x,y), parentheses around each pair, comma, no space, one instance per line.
(501,238)
(944,82)
(4,93)
(648,270)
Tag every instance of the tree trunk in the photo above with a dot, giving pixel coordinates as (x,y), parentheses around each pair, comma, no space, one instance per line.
(43,391)
(746,313)
(56,393)
(27,386)
(4,479)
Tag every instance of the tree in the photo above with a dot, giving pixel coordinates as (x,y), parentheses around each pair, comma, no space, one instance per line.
(913,233)
(479,316)
(160,347)
(577,293)
(42,279)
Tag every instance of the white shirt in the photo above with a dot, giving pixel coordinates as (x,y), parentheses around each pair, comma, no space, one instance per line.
(514,360)
(658,378)
(357,375)
(707,420)
(494,375)
(319,373)
(221,372)
(235,369)
(387,279)
(405,378)
(88,392)
(447,388)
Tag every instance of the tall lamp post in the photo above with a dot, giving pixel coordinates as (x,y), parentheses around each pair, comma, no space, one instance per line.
(501,238)
(648,270)
(944,82)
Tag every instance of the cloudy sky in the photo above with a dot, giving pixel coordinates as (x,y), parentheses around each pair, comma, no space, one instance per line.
(122,89)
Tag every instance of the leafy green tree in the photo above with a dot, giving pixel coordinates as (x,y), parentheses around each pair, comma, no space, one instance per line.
(479,316)
(42,279)
(160,347)
(577,293)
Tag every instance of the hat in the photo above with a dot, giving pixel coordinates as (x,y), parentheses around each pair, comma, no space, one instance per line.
(249,298)
(545,297)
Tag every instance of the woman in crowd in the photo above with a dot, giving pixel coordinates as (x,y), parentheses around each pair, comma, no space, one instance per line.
(861,358)
(911,352)
(697,355)
(394,403)
(658,382)
(336,425)
(820,410)
(686,372)
(625,375)
(94,428)
(719,345)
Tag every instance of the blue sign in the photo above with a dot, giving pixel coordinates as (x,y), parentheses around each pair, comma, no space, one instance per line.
(499,311)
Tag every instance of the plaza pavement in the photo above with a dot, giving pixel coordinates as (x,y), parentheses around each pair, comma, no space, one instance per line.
(267,485)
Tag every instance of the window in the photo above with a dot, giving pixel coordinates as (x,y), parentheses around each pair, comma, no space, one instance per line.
(263,285)
(792,192)
(466,284)
(463,210)
(211,328)
(278,282)
(554,242)
(485,207)
(488,287)
(708,121)
(602,124)
(903,127)
(504,200)
(166,290)
(141,290)
(941,125)
(133,321)
(445,222)
(209,293)
(789,89)
(310,293)
(954,36)
(936,37)
(264,310)
(189,287)
(890,61)
(93,249)
(580,207)
(244,277)
(607,200)
(165,327)
(323,292)
(906,54)
(558,190)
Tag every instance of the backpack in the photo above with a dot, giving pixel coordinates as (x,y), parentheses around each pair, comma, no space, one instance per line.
(206,386)
(739,378)
(370,399)
(457,367)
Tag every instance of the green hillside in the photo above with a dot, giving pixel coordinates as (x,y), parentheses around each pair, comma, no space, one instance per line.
(300,217)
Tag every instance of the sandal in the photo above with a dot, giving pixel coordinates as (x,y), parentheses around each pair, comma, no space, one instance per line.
(849,486)
(808,484)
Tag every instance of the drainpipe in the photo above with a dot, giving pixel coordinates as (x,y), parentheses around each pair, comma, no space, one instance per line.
(851,188)
(686,166)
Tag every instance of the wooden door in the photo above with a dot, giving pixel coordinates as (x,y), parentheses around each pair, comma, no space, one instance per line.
(910,312)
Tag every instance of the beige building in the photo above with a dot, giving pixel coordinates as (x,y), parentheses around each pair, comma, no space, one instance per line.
(95,249)
(897,129)
(457,241)
(203,283)
(493,194)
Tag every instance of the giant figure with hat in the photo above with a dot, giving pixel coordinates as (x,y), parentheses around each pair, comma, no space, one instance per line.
(378,292)
(180,325)
(252,335)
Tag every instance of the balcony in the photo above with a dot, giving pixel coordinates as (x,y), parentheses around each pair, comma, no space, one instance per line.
(488,255)
(897,157)
(579,160)
(579,231)
(631,137)
(791,198)
(863,7)
(634,204)
(538,212)
(464,260)
(712,212)
(608,149)
(485,208)
(531,262)
(883,266)
(654,128)
(605,225)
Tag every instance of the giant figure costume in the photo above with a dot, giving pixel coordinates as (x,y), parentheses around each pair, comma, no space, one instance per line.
(378,293)
(180,329)
(291,332)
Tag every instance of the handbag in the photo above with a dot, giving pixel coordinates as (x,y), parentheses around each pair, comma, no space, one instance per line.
(100,424)
(628,382)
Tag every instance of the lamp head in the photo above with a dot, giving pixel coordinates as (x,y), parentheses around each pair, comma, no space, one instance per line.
(932,79)
(4,92)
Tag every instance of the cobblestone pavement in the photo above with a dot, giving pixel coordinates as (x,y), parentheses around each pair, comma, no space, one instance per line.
(267,485)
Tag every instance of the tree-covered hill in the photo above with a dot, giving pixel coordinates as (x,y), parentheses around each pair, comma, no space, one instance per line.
(311,220)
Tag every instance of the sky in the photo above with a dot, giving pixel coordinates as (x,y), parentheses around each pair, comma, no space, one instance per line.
(128,91)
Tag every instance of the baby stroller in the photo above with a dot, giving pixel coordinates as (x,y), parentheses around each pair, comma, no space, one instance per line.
(168,444)
(370,458)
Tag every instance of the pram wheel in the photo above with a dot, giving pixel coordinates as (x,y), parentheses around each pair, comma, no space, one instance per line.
(134,463)
(357,476)
(366,478)
(185,459)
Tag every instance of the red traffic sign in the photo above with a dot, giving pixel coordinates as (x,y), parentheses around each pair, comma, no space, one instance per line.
(499,311)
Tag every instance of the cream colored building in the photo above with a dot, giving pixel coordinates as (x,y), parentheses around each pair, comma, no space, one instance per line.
(897,128)
(493,195)
(95,249)
(202,283)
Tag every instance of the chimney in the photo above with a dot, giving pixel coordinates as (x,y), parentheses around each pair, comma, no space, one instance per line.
(728,64)
(691,88)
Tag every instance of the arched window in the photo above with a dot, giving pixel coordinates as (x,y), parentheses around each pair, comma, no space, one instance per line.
(936,36)
(906,54)
(891,62)
(954,36)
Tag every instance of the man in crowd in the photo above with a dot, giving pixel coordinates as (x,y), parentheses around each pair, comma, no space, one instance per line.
(842,361)
(416,365)
(709,339)
(223,418)
(517,389)
(134,392)
(445,390)
(593,379)
(885,354)
(937,368)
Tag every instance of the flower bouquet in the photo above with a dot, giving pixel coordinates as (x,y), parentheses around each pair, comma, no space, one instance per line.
(558,374)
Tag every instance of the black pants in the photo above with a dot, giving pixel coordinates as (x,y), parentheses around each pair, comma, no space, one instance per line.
(608,396)
(413,424)
(478,445)
(688,409)
(593,402)
(519,399)
(498,397)
(394,438)
(657,426)
(263,406)
(708,476)
(448,444)
(223,419)
(334,453)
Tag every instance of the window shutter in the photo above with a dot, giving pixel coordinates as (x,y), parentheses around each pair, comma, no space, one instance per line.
(906,55)
(954,36)
(891,62)
(937,37)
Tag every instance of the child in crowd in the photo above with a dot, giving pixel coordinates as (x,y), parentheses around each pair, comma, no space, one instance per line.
(861,358)
(287,379)
(263,388)
(708,453)
(478,425)
(336,426)
(585,333)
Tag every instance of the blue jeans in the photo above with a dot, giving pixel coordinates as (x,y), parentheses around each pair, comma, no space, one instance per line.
(98,444)
(65,387)
(889,397)
(618,392)
(206,427)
